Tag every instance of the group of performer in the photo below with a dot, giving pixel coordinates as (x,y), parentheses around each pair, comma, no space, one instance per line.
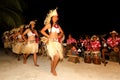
(95,48)
(24,40)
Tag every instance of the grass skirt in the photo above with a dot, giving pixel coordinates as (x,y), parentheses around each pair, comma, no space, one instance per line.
(54,47)
(17,47)
(30,47)
(7,44)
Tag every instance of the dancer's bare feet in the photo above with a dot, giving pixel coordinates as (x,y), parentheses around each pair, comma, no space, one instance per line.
(37,65)
(24,62)
(18,59)
(54,73)
(24,58)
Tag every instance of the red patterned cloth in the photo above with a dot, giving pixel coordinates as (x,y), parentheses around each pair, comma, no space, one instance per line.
(86,44)
(71,40)
(95,45)
(113,42)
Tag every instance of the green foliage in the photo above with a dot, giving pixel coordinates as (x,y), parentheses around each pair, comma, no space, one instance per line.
(11,13)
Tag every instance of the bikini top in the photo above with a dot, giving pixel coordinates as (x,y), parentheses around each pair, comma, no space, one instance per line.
(19,36)
(54,28)
(30,33)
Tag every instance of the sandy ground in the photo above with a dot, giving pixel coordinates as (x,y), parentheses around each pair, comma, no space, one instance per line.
(11,69)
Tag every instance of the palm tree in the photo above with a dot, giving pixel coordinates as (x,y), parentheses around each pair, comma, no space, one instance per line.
(11,13)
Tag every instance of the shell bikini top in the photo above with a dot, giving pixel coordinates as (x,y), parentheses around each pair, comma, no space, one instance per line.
(30,33)
(19,36)
(54,28)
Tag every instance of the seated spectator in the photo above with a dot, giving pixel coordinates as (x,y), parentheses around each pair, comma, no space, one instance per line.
(74,50)
(70,40)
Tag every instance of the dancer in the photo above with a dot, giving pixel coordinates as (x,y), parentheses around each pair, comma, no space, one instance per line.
(55,49)
(31,46)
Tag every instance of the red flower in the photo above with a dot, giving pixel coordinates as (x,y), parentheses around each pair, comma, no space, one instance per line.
(56,26)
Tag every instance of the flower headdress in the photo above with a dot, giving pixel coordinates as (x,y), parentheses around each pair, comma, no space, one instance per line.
(5,33)
(51,13)
(27,26)
(13,30)
(21,26)
(31,22)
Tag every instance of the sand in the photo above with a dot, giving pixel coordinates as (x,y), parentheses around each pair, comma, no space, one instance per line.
(11,69)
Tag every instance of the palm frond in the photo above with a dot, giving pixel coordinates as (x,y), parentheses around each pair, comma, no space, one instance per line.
(11,17)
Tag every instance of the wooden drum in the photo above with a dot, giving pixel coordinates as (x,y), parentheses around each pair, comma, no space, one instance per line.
(87,57)
(96,55)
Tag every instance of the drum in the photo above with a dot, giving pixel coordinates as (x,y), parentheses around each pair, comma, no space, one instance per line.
(87,57)
(116,49)
(68,46)
(96,56)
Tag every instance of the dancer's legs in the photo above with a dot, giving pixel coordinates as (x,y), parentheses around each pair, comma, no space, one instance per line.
(54,63)
(25,56)
(35,59)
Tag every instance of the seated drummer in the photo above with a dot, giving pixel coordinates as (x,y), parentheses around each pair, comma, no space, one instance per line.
(113,41)
(95,44)
(86,43)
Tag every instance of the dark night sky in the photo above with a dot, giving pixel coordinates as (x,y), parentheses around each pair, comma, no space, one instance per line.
(78,17)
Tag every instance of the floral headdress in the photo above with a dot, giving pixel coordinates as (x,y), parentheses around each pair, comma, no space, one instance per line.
(5,33)
(13,30)
(51,13)
(21,26)
(31,22)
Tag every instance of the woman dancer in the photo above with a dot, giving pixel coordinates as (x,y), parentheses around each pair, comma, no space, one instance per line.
(55,49)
